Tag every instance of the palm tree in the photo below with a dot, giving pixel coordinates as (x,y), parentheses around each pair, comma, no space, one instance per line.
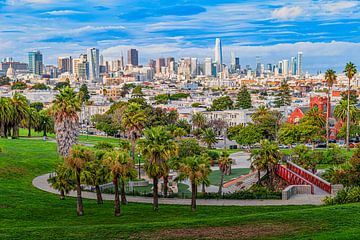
(120,165)
(224,166)
(330,78)
(20,111)
(266,158)
(76,160)
(199,120)
(340,111)
(5,115)
(94,174)
(157,147)
(32,119)
(350,71)
(66,105)
(45,123)
(209,137)
(196,169)
(63,180)
(134,120)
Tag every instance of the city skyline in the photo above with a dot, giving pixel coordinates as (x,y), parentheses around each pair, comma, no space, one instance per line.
(327,32)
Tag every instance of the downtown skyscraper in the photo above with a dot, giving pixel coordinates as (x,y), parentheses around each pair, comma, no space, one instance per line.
(35,62)
(218,54)
(93,59)
(133,57)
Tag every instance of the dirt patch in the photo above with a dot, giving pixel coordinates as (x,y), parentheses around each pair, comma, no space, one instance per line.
(226,232)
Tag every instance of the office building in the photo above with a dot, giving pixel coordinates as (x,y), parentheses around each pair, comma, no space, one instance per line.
(299,70)
(93,59)
(133,57)
(218,54)
(293,67)
(160,62)
(207,67)
(285,67)
(65,64)
(35,62)
(194,67)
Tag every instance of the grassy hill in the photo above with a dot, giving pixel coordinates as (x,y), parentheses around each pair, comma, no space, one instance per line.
(28,213)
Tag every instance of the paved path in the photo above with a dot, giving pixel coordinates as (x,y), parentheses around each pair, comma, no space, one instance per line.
(41,183)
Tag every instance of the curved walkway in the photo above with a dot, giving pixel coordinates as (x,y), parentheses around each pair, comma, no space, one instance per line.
(41,183)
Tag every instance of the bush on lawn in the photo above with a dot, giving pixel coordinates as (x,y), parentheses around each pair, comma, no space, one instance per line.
(347,195)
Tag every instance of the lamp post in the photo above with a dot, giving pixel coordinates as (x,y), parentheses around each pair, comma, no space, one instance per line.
(87,130)
(139,166)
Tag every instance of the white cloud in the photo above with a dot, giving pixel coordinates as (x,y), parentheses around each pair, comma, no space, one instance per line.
(64,12)
(286,13)
(338,6)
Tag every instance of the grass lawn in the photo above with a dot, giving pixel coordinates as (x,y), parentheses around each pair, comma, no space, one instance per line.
(230,151)
(235,173)
(29,213)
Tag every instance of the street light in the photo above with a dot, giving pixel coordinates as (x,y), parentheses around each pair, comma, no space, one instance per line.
(139,166)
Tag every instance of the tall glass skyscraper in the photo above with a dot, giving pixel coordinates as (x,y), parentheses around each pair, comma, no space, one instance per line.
(35,62)
(94,64)
(218,54)
(299,64)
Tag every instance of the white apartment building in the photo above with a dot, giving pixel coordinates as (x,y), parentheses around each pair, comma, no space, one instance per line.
(231,117)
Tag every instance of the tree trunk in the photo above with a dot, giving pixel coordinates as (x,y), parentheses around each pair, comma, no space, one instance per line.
(221,182)
(348,119)
(79,205)
(133,149)
(193,196)
(62,194)
(117,199)
(45,135)
(259,176)
(98,195)
(166,182)
(203,188)
(155,194)
(2,134)
(123,194)
(15,133)
(327,120)
(29,129)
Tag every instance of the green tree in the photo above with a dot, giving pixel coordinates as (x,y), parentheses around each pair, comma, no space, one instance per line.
(19,86)
(330,78)
(6,110)
(266,159)
(184,124)
(199,120)
(63,180)
(224,166)
(4,81)
(137,92)
(197,170)
(208,137)
(283,98)
(267,122)
(350,71)
(243,98)
(248,135)
(37,105)
(222,103)
(289,134)
(45,123)
(32,119)
(157,147)
(84,93)
(64,110)
(314,117)
(40,86)
(20,111)
(233,131)
(61,85)
(76,161)
(121,166)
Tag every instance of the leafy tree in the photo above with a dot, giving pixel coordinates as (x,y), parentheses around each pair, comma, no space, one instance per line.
(19,86)
(224,166)
(62,180)
(37,105)
(330,78)
(309,133)
(20,111)
(314,117)
(76,161)
(283,98)
(248,135)
(184,124)
(197,170)
(209,137)
(137,92)
(233,131)
(222,103)
(4,81)
(32,119)
(62,85)
(354,131)
(199,120)
(301,156)
(243,98)
(267,122)
(64,110)
(162,98)
(189,147)
(84,93)
(341,109)
(289,134)
(40,86)
(6,111)
(196,104)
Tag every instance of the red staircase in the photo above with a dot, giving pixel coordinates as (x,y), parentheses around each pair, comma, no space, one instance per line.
(296,175)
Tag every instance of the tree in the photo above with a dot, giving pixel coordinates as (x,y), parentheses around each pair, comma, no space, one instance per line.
(6,110)
(76,161)
(340,111)
(243,98)
(233,131)
(84,93)
(37,105)
(63,180)
(32,119)
(157,147)
(121,166)
(40,86)
(224,166)
(248,135)
(266,158)
(354,131)
(196,169)
(222,103)
(289,134)
(198,120)
(208,137)
(19,86)
(184,124)
(61,85)
(314,117)
(45,123)
(309,133)
(283,98)
(350,71)
(189,147)
(330,78)
(4,81)
(267,122)
(137,92)
(20,111)
(133,120)
(64,110)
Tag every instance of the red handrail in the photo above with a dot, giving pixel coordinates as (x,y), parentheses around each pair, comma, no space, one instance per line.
(291,177)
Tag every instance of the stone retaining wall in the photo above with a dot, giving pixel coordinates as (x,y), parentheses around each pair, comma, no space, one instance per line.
(292,190)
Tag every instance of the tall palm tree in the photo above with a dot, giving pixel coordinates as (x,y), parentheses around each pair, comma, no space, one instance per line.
(32,119)
(208,137)
(20,111)
(224,166)
(134,120)
(340,111)
(45,123)
(63,180)
(120,165)
(198,120)
(266,158)
(157,147)
(76,160)
(5,115)
(95,174)
(350,71)
(330,78)
(196,169)
(66,105)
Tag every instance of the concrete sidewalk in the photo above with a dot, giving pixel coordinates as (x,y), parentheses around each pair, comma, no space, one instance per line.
(41,183)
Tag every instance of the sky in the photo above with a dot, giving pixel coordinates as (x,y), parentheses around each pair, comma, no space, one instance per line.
(327,32)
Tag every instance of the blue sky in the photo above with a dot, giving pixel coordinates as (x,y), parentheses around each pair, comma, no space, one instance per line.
(328,32)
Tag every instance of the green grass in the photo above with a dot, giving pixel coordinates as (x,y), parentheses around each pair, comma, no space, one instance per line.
(215,175)
(29,213)
(230,151)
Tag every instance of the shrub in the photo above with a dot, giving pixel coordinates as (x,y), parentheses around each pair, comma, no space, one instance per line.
(104,146)
(333,155)
(347,195)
